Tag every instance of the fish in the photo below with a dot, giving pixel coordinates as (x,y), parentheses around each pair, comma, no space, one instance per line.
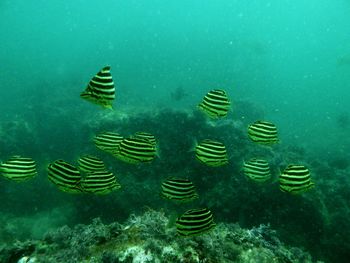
(100,182)
(257,169)
(211,153)
(136,150)
(89,163)
(100,89)
(263,132)
(215,104)
(18,168)
(65,176)
(295,179)
(108,141)
(194,222)
(178,189)
(147,136)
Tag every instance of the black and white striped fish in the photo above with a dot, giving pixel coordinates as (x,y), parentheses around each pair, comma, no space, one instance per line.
(257,169)
(18,168)
(194,222)
(89,163)
(295,179)
(215,104)
(263,132)
(147,136)
(65,176)
(178,189)
(211,153)
(108,141)
(136,150)
(100,89)
(100,182)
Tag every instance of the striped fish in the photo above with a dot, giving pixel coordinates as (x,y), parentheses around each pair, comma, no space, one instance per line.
(179,190)
(65,176)
(211,153)
(89,163)
(194,222)
(135,150)
(18,169)
(147,136)
(263,132)
(215,104)
(295,179)
(100,182)
(100,89)
(108,141)
(257,169)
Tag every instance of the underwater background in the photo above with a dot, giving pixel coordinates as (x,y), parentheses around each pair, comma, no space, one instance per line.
(283,61)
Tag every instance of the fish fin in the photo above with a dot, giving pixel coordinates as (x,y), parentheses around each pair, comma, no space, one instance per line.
(108,106)
(158,155)
(194,145)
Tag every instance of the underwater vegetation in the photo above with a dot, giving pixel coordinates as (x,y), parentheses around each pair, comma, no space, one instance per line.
(149,238)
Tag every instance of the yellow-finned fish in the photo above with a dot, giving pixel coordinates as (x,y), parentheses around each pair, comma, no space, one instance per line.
(295,179)
(100,89)
(136,150)
(178,189)
(65,176)
(147,136)
(18,168)
(100,182)
(108,141)
(263,132)
(195,222)
(257,170)
(215,104)
(211,153)
(89,163)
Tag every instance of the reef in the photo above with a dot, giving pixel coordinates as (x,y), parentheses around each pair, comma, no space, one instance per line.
(316,221)
(151,237)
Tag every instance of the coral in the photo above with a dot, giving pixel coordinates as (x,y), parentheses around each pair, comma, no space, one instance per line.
(147,238)
(225,190)
(137,254)
(13,252)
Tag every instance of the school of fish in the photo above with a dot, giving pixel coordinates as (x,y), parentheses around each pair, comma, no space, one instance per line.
(89,175)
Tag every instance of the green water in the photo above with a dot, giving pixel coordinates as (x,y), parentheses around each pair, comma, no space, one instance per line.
(288,60)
